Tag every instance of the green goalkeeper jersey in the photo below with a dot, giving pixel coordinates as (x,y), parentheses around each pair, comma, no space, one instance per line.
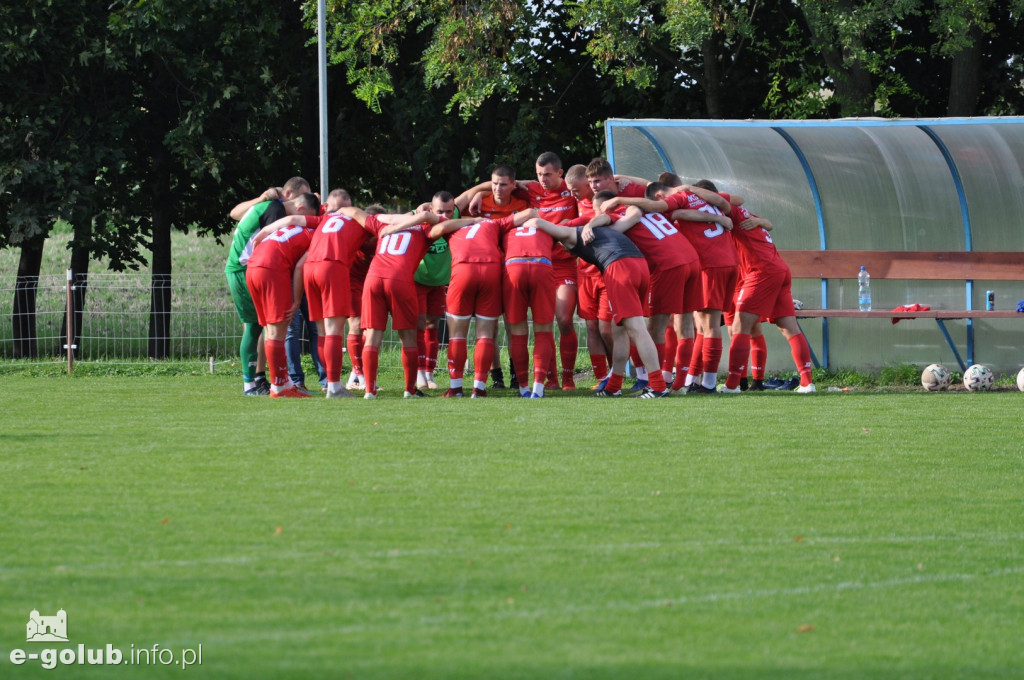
(257,217)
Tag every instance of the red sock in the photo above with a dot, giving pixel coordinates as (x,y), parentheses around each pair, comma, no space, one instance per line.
(801,357)
(332,356)
(409,363)
(614,382)
(543,355)
(519,353)
(321,344)
(712,354)
(432,347)
(421,350)
(758,356)
(568,347)
(659,347)
(739,351)
(600,364)
(684,352)
(277,362)
(354,342)
(457,357)
(697,358)
(552,371)
(371,356)
(668,358)
(483,355)
(656,381)
(634,356)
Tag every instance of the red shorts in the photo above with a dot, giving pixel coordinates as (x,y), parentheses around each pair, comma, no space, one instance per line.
(767,294)
(431,299)
(529,285)
(475,289)
(356,282)
(593,297)
(271,291)
(719,287)
(328,289)
(676,290)
(565,272)
(389,296)
(627,281)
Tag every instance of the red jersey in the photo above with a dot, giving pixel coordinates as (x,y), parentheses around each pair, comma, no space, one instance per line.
(490,209)
(755,247)
(633,190)
(397,254)
(282,249)
(337,238)
(662,244)
(555,206)
(478,242)
(712,242)
(585,208)
(526,241)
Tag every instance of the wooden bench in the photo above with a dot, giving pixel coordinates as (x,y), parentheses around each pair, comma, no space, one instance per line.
(912,265)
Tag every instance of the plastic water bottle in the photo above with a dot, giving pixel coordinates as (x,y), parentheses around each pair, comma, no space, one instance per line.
(864,289)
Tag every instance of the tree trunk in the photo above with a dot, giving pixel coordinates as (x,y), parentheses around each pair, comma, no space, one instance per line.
(160,287)
(80,252)
(25,289)
(712,78)
(965,78)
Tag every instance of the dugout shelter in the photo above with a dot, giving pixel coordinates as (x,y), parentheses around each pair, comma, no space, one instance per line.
(950,184)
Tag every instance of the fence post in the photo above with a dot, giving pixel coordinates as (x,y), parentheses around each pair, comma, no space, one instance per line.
(70,347)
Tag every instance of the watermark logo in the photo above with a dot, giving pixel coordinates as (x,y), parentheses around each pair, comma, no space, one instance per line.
(47,628)
(55,629)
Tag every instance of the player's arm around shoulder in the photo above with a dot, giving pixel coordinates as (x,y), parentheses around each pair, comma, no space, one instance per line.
(450,226)
(415,220)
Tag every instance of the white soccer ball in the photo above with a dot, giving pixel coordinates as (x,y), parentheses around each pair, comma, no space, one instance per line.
(1020,380)
(935,377)
(978,377)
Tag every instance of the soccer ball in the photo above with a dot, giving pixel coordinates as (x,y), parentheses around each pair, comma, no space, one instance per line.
(1020,380)
(935,377)
(978,377)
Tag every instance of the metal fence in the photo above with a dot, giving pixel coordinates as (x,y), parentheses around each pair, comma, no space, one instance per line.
(115,320)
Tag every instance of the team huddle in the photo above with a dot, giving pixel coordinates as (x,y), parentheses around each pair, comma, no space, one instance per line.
(653,268)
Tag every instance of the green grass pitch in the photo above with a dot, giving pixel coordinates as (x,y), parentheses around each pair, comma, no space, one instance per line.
(757,536)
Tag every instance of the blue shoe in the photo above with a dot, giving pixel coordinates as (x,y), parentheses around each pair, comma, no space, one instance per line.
(603,384)
(526,395)
(639,386)
(534,395)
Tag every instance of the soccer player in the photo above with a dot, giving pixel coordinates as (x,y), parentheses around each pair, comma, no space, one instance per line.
(624,269)
(764,291)
(258,215)
(389,289)
(553,201)
(601,177)
(529,286)
(274,278)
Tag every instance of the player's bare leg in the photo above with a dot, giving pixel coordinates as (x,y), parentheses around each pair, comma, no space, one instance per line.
(458,330)
(568,342)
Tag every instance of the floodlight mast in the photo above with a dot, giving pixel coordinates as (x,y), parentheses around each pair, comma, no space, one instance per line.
(321,29)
